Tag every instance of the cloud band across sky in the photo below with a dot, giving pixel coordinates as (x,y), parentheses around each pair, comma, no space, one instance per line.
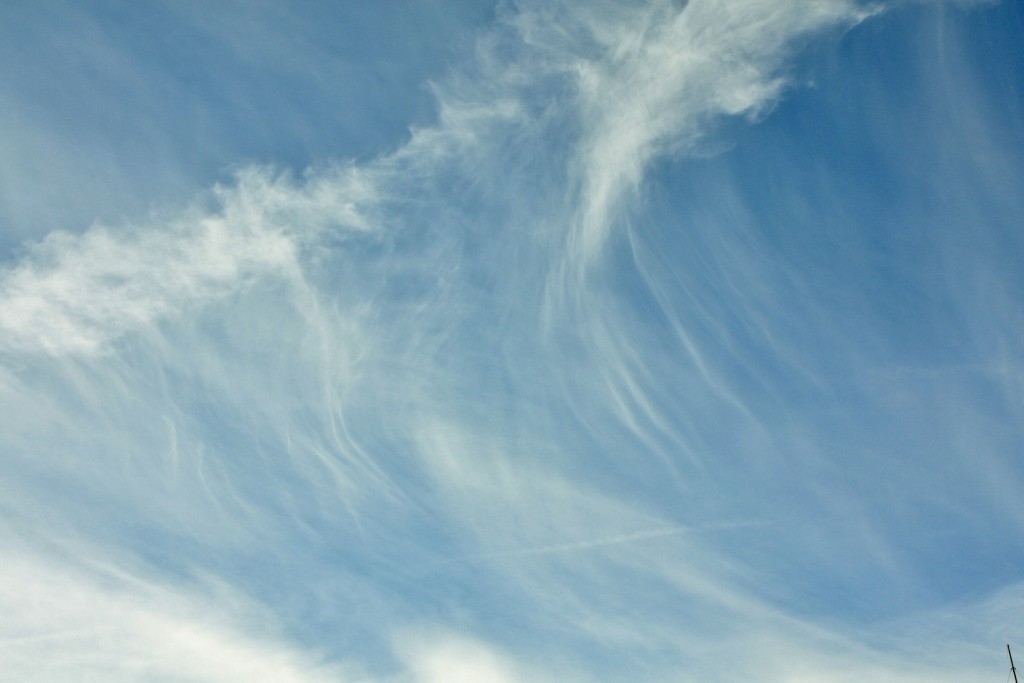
(681,342)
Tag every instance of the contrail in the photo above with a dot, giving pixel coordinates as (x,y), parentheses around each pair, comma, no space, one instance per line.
(604,541)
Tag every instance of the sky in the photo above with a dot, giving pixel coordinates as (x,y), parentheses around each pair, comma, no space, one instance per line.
(507,341)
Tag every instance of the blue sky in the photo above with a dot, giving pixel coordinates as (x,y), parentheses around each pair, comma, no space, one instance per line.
(427,341)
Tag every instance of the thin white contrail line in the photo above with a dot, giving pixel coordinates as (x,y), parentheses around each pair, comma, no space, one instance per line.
(604,541)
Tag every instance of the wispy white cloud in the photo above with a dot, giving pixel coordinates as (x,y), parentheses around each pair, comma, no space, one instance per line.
(62,624)
(104,624)
(433,657)
(646,86)
(663,78)
(418,406)
(77,293)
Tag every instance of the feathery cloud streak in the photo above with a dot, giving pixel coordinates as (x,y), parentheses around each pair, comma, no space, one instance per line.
(440,414)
